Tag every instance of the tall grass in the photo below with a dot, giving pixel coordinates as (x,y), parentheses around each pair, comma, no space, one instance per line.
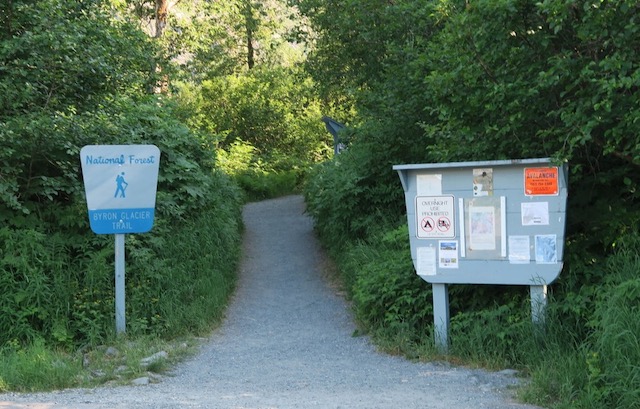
(35,367)
(587,355)
(186,290)
(58,291)
(615,367)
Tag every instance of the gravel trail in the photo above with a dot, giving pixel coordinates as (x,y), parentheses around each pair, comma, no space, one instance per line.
(287,343)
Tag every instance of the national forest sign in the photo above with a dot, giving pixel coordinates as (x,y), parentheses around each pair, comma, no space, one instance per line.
(120,183)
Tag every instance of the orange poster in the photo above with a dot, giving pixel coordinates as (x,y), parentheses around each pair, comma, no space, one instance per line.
(541,181)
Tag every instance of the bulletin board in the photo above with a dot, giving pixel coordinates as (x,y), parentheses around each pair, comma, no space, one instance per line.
(494,222)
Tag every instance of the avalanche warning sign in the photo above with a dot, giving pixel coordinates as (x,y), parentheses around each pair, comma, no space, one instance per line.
(541,181)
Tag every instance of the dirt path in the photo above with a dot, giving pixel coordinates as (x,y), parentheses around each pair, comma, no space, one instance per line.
(287,343)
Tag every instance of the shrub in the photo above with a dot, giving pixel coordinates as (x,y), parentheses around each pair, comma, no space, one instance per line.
(27,271)
(176,287)
(260,179)
(614,379)
(271,108)
(390,300)
(354,196)
(35,368)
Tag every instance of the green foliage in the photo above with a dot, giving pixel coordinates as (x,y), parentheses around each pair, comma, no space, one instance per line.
(264,125)
(64,294)
(38,367)
(57,274)
(260,185)
(558,376)
(211,39)
(57,54)
(495,337)
(599,369)
(614,378)
(355,40)
(35,368)
(599,102)
(388,296)
(338,190)
(59,81)
(26,304)
(494,80)
(176,288)
(257,178)
(272,109)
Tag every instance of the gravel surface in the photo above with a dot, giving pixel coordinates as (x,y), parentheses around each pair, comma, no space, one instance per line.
(287,343)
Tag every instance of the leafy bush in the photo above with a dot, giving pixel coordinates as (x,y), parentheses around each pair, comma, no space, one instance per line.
(264,125)
(257,178)
(54,100)
(176,287)
(486,81)
(337,191)
(614,380)
(386,292)
(272,109)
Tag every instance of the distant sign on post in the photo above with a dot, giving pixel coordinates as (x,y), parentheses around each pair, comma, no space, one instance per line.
(120,183)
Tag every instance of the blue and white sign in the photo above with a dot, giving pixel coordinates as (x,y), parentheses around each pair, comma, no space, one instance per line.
(120,182)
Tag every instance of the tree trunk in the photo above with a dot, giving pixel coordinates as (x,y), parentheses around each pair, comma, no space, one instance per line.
(161,17)
(250,26)
(162,10)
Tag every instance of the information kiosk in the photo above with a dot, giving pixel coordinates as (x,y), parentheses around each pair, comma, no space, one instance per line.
(496,222)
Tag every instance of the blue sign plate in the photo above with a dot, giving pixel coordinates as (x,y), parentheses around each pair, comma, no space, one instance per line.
(120,183)
(121,221)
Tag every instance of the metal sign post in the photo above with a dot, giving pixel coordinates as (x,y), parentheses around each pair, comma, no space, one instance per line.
(121,321)
(120,183)
(496,222)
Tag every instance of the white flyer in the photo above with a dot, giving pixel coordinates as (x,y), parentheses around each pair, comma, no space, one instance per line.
(519,250)
(535,213)
(426,261)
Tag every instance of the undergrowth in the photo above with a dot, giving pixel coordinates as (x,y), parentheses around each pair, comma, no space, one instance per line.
(585,355)
(566,370)
(59,301)
(38,367)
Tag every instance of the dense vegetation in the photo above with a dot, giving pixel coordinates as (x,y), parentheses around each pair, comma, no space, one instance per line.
(232,93)
(64,87)
(76,73)
(442,81)
(268,127)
